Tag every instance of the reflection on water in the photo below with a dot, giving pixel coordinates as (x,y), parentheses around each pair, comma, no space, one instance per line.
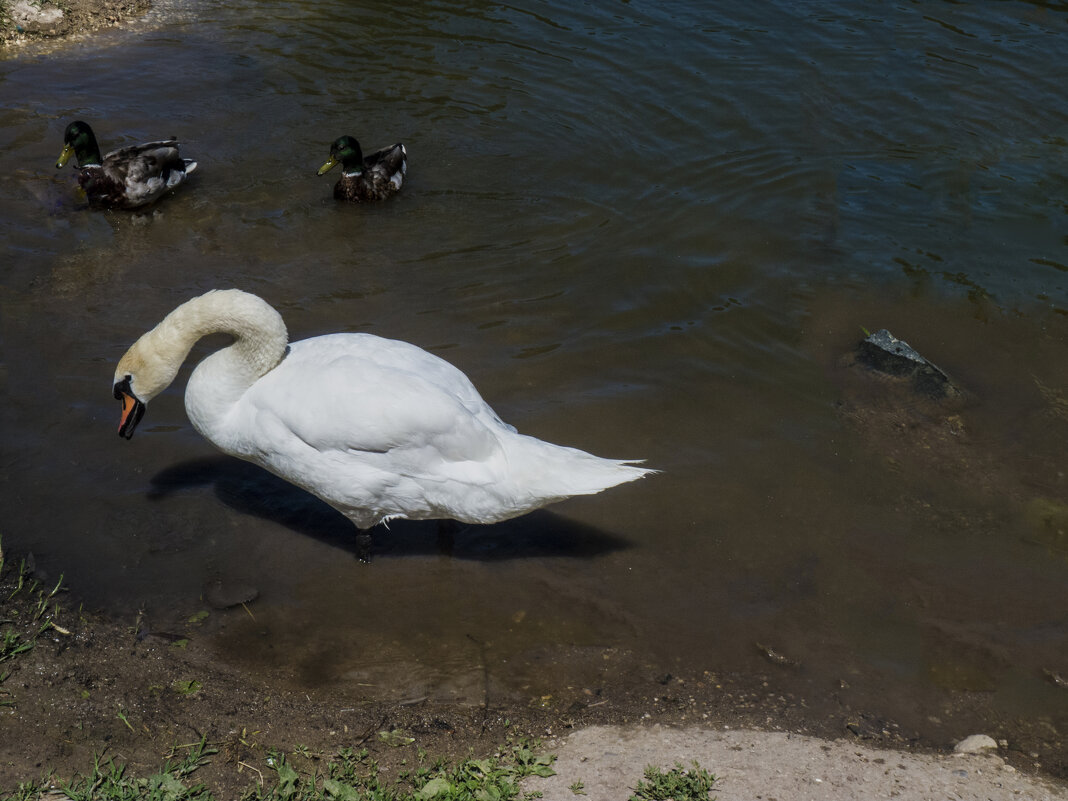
(647,230)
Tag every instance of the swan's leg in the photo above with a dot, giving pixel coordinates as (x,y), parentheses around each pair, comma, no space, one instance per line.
(364,543)
(447,536)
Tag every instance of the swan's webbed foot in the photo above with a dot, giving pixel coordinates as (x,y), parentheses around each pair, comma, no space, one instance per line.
(364,544)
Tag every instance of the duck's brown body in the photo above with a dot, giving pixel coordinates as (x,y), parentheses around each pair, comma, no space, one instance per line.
(134,176)
(367,179)
(126,178)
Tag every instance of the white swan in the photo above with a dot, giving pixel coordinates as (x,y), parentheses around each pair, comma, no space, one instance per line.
(379,429)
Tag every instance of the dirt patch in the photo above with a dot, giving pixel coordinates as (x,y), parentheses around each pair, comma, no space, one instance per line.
(773,765)
(25,20)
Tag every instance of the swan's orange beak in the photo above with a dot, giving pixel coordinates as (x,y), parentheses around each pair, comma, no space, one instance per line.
(132,409)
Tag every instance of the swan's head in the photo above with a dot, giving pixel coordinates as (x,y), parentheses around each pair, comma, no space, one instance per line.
(153,361)
(140,376)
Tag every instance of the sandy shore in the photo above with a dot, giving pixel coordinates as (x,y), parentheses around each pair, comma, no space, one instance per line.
(774,766)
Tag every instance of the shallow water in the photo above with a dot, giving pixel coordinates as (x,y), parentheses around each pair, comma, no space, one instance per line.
(645,229)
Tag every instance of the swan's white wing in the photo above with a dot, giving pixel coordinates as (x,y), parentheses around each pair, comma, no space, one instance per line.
(362,394)
(391,353)
(379,429)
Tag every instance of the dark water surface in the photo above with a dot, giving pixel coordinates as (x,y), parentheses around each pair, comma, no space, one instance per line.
(645,229)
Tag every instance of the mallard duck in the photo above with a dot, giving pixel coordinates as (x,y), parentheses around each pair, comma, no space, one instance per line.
(375,177)
(377,428)
(125,178)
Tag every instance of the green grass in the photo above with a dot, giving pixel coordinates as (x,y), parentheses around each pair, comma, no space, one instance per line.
(348,775)
(108,781)
(353,776)
(27,610)
(678,784)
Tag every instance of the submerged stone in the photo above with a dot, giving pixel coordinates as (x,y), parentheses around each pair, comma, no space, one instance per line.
(885,353)
(975,744)
(223,595)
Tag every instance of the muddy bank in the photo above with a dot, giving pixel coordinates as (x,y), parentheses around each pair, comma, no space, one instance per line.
(134,689)
(26,20)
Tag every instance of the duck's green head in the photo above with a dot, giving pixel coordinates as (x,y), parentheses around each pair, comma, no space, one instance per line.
(78,140)
(346,151)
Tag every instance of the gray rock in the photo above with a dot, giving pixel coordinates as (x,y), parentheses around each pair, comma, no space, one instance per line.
(885,353)
(975,744)
(36,17)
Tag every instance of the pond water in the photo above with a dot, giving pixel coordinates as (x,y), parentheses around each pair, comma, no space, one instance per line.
(646,229)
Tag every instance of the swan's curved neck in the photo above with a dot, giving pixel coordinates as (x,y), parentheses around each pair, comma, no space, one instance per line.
(222,378)
(259,344)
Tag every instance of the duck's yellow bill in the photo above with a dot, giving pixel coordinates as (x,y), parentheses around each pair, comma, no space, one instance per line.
(327,167)
(64,157)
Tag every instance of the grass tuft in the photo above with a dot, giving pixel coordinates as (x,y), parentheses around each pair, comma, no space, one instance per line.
(353,776)
(108,781)
(678,784)
(349,775)
(27,610)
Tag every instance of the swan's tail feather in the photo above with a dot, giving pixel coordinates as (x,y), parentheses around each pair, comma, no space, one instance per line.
(602,474)
(554,472)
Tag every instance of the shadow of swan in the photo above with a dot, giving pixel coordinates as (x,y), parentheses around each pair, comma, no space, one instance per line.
(252,490)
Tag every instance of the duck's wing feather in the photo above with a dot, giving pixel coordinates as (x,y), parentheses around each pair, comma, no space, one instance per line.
(136,151)
(388,160)
(147,170)
(386,168)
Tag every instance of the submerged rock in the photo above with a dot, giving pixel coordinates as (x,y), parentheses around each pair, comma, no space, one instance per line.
(223,595)
(885,353)
(1056,679)
(775,657)
(975,744)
